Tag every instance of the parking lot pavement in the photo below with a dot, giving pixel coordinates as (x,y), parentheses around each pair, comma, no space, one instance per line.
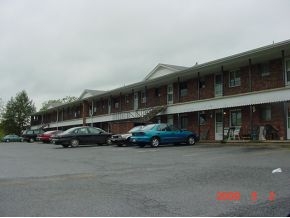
(203,180)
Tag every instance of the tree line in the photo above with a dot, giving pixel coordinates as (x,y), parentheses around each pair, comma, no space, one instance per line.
(15,114)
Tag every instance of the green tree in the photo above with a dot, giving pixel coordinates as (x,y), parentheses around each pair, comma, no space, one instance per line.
(47,104)
(1,108)
(16,115)
(1,112)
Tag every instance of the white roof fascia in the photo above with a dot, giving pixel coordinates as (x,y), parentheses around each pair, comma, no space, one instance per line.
(166,66)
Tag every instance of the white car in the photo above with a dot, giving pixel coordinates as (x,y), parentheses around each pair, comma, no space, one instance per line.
(124,139)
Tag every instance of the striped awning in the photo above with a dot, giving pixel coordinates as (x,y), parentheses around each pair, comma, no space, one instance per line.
(278,95)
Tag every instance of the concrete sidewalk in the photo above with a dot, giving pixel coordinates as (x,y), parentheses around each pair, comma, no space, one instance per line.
(267,143)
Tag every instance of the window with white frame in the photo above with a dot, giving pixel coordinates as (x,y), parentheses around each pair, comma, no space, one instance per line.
(235,78)
(127,99)
(184,122)
(265,69)
(143,97)
(202,118)
(236,118)
(157,92)
(266,113)
(170,94)
(183,89)
(202,82)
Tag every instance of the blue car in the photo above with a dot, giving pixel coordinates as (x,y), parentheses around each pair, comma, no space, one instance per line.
(162,133)
(12,138)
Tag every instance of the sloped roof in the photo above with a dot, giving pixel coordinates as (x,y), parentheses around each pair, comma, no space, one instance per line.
(89,93)
(162,70)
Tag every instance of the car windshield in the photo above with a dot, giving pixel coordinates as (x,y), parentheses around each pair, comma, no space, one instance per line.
(136,128)
(149,127)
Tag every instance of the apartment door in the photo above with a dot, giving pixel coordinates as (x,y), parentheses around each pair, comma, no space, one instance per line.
(136,100)
(218,125)
(218,89)
(170,94)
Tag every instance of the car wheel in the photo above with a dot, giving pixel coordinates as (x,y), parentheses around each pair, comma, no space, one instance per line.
(127,142)
(74,143)
(108,141)
(155,142)
(190,140)
(7,140)
(31,140)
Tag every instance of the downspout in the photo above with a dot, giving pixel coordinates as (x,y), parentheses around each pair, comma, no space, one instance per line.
(198,97)
(92,113)
(251,106)
(57,119)
(285,105)
(178,86)
(223,122)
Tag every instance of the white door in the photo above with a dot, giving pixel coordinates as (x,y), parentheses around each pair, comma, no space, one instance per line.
(218,125)
(136,100)
(218,85)
(170,94)
(288,122)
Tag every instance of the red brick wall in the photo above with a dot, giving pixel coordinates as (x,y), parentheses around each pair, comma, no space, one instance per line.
(124,127)
(208,90)
(274,80)
(127,102)
(161,99)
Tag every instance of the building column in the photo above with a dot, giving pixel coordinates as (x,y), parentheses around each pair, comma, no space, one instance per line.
(283,67)
(85,112)
(57,119)
(250,75)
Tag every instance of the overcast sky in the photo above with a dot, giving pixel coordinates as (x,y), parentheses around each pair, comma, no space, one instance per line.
(58,48)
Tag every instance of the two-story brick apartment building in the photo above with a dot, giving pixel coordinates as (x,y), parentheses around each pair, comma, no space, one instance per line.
(246,90)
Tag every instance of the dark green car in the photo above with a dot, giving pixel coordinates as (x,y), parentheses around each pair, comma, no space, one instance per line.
(12,138)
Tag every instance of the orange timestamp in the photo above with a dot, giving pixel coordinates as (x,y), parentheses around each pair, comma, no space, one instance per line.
(228,196)
(236,196)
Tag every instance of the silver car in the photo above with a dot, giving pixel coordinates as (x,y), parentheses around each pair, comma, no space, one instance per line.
(124,139)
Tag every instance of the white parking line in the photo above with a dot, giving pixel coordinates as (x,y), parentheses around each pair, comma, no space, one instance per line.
(151,150)
(191,155)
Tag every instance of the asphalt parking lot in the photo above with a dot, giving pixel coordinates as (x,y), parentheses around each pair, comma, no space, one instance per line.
(48,180)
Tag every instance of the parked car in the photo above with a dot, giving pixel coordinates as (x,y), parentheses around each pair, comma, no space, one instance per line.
(47,136)
(31,135)
(82,135)
(124,139)
(12,138)
(162,133)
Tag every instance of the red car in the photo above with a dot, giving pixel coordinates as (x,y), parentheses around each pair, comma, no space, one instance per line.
(46,137)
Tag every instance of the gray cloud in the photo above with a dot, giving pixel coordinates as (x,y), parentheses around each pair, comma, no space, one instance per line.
(60,47)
